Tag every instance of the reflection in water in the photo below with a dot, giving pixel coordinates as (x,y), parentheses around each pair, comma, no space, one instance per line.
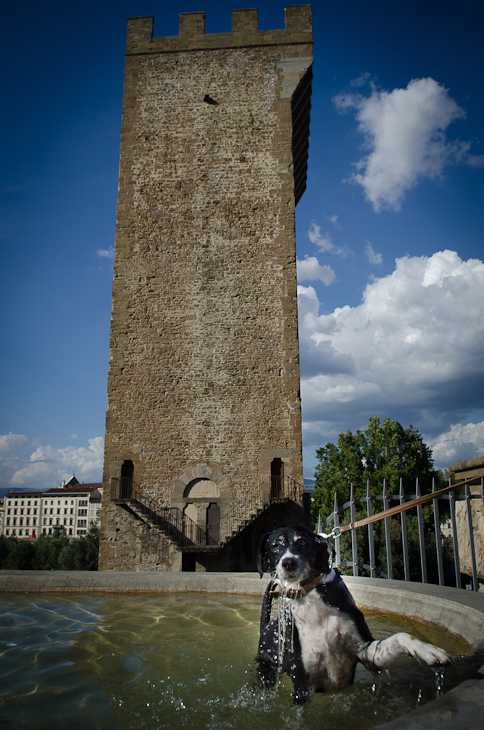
(178,660)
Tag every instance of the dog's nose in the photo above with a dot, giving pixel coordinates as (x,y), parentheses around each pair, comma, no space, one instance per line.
(289,563)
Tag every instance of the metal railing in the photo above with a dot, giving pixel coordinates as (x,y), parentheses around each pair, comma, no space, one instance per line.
(183,530)
(281,489)
(346,513)
(172,521)
(276,489)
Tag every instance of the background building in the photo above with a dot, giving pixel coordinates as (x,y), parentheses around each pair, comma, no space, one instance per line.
(71,508)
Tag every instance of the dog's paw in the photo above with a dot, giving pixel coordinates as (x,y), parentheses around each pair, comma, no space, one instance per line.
(430,654)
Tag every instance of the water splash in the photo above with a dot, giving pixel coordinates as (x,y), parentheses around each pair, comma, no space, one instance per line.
(439,681)
(285,626)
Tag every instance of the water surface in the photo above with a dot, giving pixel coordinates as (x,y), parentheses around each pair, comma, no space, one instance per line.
(178,660)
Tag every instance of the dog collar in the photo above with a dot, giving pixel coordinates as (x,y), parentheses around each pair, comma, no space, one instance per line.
(299,592)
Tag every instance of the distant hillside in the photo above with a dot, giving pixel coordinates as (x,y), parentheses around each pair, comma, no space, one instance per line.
(309,485)
(6,490)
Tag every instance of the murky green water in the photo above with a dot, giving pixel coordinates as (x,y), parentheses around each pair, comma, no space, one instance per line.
(177,660)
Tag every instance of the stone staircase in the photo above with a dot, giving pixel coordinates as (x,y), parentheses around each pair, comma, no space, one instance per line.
(182,530)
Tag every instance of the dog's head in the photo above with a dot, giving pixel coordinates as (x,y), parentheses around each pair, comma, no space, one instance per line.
(295,554)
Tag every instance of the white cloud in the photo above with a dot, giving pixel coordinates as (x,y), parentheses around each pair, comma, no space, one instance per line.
(323,240)
(11,444)
(309,269)
(459,443)
(373,257)
(404,131)
(48,467)
(412,350)
(106,253)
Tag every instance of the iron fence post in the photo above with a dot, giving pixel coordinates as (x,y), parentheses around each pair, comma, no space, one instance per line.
(354,543)
(371,544)
(388,542)
(403,522)
(455,539)
(438,537)
(421,536)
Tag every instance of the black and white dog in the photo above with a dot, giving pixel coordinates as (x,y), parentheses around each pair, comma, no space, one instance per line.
(319,635)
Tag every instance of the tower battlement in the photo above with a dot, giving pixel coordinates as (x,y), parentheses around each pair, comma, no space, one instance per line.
(245,33)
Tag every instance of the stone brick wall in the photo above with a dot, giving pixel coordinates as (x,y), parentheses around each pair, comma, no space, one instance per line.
(204,362)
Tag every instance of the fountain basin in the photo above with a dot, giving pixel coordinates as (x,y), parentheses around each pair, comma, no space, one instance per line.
(458,611)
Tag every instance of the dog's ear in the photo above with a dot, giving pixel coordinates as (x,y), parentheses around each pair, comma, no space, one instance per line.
(261,555)
(324,557)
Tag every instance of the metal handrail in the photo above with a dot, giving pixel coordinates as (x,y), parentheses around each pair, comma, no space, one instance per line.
(171,520)
(447,495)
(276,489)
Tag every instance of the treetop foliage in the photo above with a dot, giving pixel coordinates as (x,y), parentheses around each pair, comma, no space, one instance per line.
(381,452)
(51,552)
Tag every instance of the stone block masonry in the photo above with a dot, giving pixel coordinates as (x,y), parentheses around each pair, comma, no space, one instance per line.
(203,388)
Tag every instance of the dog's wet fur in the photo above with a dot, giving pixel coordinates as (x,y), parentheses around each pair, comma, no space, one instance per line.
(330,635)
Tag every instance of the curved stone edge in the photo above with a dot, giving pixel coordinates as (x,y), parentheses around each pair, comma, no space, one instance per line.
(453,609)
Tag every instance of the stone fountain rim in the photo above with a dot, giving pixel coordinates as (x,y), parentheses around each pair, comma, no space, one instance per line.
(459,709)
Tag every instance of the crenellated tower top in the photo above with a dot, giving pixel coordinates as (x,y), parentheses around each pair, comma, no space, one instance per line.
(245,32)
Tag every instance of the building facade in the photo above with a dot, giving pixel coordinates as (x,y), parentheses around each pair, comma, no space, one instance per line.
(203,425)
(74,509)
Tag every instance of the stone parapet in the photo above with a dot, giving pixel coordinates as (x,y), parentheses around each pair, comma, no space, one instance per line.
(245,33)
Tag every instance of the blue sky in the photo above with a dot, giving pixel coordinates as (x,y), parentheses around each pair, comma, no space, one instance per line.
(389,231)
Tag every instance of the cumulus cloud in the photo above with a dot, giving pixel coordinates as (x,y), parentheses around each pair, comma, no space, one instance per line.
(459,443)
(47,466)
(373,257)
(404,131)
(412,350)
(309,269)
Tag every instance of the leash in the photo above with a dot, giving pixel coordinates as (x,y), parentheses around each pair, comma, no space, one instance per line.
(337,531)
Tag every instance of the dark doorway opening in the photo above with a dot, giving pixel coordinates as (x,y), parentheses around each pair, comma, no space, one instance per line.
(277,479)
(213,524)
(127,475)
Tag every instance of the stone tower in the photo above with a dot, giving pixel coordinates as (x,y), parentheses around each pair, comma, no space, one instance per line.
(203,425)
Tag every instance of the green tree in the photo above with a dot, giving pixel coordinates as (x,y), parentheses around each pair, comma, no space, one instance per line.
(21,556)
(80,553)
(48,549)
(382,451)
(7,544)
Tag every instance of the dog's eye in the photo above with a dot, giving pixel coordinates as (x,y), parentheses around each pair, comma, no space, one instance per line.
(301,542)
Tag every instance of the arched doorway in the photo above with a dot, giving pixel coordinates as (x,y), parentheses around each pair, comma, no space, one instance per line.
(201,507)
(277,479)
